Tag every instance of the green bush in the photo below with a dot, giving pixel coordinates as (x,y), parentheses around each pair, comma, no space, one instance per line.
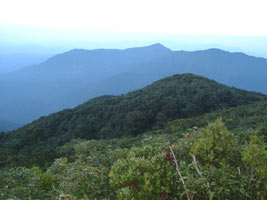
(48,181)
(146,173)
(213,162)
(214,145)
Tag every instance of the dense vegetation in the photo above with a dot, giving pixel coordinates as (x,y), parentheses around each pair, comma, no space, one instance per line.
(183,137)
(176,97)
(200,163)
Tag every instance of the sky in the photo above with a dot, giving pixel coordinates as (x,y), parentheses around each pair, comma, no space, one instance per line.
(237,24)
(227,17)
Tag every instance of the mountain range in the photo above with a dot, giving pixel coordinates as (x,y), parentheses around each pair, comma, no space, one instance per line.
(71,78)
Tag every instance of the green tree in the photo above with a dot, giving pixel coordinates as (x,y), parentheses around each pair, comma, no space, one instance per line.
(214,145)
(255,156)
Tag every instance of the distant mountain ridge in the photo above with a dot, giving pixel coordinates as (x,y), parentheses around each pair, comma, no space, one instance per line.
(234,69)
(37,90)
(71,78)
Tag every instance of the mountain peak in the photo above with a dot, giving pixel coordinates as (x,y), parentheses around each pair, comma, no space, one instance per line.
(157,45)
(154,48)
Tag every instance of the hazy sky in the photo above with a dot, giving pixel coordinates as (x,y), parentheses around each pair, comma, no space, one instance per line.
(224,17)
(234,23)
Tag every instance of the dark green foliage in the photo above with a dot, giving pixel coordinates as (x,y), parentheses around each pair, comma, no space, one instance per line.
(48,181)
(179,96)
(238,119)
(23,183)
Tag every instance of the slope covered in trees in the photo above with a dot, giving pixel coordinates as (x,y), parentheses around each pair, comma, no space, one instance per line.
(175,97)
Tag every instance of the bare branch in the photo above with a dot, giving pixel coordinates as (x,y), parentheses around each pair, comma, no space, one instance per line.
(195,163)
(180,175)
(198,171)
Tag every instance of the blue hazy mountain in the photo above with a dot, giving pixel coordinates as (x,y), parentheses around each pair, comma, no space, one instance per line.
(71,78)
(41,89)
(234,69)
(12,61)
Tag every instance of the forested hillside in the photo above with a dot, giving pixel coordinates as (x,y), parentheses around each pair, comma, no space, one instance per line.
(175,97)
(225,159)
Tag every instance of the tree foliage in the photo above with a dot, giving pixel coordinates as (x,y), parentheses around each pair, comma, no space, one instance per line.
(176,97)
(214,145)
(143,167)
